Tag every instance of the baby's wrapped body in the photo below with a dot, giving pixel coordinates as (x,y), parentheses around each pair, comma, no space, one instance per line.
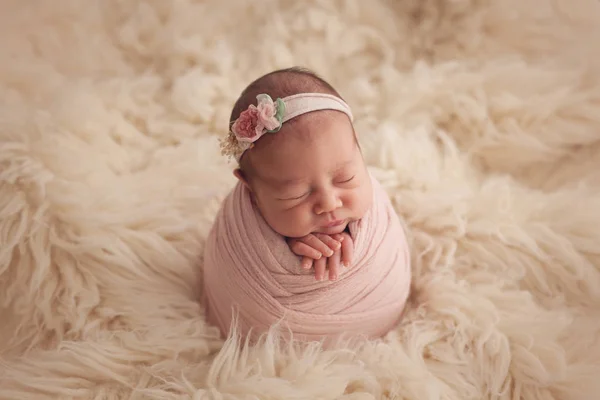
(251,274)
(301,174)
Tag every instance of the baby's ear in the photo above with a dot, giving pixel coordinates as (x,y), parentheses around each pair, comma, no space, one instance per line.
(240,175)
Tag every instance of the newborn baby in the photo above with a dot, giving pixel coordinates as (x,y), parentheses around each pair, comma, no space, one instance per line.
(304,191)
(309,180)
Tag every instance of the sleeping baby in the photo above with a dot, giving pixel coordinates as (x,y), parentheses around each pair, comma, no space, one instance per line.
(305,205)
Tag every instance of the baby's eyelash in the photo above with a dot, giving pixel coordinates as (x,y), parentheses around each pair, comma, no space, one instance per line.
(295,198)
(305,194)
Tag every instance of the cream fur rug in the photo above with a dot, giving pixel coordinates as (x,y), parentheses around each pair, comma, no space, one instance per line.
(482,119)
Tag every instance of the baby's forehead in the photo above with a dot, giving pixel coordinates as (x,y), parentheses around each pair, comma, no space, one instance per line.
(289,154)
(288,174)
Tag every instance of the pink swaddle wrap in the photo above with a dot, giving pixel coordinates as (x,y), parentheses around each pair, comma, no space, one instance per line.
(250,271)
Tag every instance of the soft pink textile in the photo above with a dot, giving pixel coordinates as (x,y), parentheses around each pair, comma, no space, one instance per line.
(249,269)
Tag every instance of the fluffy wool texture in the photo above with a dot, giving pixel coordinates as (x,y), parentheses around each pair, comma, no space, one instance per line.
(479,117)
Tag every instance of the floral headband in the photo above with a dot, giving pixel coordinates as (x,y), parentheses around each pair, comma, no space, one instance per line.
(268,116)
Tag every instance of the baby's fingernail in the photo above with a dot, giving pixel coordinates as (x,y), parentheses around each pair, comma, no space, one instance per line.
(345,264)
(333,278)
(341,239)
(338,245)
(319,255)
(330,253)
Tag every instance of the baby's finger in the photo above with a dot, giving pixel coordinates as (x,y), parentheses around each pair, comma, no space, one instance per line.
(307,262)
(320,265)
(302,249)
(347,252)
(333,265)
(338,236)
(330,242)
(317,244)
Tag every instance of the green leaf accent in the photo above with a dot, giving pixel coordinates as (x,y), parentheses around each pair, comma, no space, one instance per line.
(280,105)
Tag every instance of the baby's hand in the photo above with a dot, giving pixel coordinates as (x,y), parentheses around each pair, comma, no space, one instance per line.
(343,253)
(314,246)
(343,257)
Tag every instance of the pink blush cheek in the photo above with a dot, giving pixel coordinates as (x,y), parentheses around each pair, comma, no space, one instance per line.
(290,223)
(298,219)
(358,204)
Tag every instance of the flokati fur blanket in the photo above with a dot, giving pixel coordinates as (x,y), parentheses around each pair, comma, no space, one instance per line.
(251,275)
(479,118)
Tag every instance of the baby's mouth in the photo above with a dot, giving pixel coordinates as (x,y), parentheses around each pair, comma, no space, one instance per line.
(335,223)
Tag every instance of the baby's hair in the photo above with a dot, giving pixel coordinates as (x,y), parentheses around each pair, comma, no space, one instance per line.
(280,83)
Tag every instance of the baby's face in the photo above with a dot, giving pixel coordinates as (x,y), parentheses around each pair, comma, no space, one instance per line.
(313,179)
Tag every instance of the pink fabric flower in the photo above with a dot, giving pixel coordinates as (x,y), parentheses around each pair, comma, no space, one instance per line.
(256,120)
(245,126)
(266,114)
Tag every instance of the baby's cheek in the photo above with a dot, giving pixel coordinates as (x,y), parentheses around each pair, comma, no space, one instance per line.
(301,220)
(291,223)
(363,203)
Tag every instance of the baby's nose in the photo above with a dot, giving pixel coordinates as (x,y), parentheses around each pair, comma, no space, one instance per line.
(328,202)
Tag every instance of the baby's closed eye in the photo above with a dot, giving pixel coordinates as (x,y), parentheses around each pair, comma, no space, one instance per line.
(293,197)
(345,179)
(299,195)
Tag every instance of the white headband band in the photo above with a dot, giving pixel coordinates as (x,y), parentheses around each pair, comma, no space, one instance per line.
(268,116)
